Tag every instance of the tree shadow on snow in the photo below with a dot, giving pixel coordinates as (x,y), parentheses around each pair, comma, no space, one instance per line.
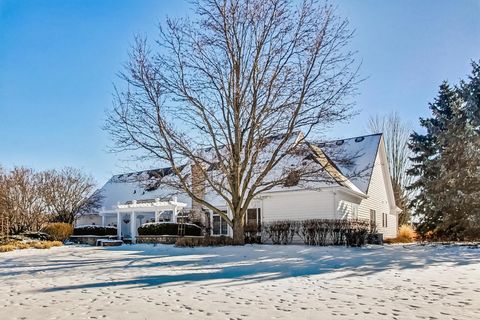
(240,265)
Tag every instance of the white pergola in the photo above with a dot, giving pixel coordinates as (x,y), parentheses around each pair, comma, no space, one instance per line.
(133,207)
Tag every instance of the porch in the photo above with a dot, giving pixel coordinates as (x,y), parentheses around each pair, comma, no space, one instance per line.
(129,216)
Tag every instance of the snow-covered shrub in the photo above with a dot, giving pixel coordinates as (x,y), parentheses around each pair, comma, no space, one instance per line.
(356,233)
(94,230)
(207,241)
(34,235)
(59,231)
(280,232)
(319,232)
(168,229)
(315,231)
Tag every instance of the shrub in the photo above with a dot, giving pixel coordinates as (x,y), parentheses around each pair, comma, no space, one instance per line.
(280,232)
(252,233)
(7,247)
(406,233)
(45,244)
(41,245)
(22,245)
(320,232)
(94,231)
(56,243)
(207,241)
(59,231)
(168,229)
(18,245)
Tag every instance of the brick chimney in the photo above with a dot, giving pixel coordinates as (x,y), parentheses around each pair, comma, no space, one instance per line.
(198,186)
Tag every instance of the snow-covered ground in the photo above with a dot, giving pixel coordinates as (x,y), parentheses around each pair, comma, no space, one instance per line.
(251,282)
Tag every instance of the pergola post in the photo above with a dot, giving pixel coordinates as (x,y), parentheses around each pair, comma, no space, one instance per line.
(174,215)
(133,226)
(119,226)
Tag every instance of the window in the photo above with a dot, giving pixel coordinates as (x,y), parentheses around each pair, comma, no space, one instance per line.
(373,216)
(253,218)
(220,226)
(384,220)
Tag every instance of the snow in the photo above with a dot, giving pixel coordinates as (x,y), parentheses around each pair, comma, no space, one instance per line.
(355,157)
(94,226)
(118,190)
(250,282)
(166,222)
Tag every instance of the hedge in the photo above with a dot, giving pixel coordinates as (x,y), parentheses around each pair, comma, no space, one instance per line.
(168,229)
(94,231)
(320,232)
(207,241)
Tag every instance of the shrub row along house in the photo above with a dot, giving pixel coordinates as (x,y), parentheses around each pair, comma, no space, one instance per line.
(352,182)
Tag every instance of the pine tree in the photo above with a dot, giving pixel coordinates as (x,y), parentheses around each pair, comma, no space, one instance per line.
(470,92)
(447,163)
(459,190)
(426,160)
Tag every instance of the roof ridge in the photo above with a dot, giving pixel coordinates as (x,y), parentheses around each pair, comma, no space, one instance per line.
(351,138)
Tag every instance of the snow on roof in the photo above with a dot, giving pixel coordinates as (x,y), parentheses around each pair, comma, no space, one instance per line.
(141,185)
(354,157)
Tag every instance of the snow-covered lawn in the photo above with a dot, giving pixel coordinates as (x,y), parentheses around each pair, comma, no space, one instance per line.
(251,282)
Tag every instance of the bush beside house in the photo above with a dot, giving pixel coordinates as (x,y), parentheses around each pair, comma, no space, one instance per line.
(207,241)
(406,234)
(168,229)
(319,232)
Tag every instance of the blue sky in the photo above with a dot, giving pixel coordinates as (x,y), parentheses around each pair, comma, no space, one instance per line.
(59,59)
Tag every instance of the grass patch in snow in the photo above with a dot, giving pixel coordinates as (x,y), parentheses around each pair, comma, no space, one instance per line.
(19,245)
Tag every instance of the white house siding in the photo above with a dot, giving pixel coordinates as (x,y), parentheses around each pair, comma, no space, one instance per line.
(347,206)
(298,205)
(89,219)
(378,200)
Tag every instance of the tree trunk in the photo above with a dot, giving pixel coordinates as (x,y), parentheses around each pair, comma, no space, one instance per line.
(238,235)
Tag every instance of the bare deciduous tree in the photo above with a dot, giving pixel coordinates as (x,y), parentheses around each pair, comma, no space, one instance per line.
(227,93)
(21,203)
(29,199)
(68,193)
(396,134)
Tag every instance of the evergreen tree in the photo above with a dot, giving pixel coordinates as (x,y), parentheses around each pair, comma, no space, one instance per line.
(426,160)
(447,163)
(457,190)
(470,92)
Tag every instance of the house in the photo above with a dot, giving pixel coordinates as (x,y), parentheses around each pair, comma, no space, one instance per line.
(354,184)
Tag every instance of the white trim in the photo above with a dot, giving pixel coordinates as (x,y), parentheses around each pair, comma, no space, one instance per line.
(382,153)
